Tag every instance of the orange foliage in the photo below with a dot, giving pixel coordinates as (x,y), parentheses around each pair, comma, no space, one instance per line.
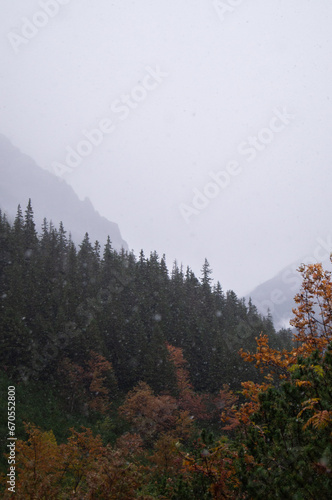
(313,321)
(82,468)
(165,456)
(119,473)
(217,464)
(272,360)
(87,385)
(38,463)
(152,415)
(80,456)
(188,399)
(226,403)
(314,299)
(97,366)
(313,315)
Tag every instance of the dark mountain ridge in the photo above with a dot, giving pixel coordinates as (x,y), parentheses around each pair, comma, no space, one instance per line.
(52,197)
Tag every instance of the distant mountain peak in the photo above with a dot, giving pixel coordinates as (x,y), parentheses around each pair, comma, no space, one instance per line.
(276,295)
(52,197)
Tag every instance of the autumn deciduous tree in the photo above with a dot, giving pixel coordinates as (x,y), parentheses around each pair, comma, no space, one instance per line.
(120,472)
(97,368)
(152,415)
(86,385)
(213,462)
(188,399)
(288,427)
(97,471)
(312,320)
(289,436)
(38,466)
(80,457)
(165,456)
(81,468)
(226,403)
(284,447)
(313,315)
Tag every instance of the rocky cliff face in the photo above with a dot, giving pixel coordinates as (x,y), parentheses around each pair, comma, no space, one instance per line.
(51,197)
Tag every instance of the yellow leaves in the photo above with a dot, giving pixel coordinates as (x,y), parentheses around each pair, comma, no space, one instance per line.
(266,358)
(80,468)
(313,321)
(320,420)
(303,383)
(310,405)
(38,464)
(319,370)
(252,390)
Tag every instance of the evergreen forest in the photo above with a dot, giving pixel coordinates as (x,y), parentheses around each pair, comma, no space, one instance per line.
(133,380)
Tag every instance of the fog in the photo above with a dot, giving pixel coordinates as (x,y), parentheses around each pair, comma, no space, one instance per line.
(202,128)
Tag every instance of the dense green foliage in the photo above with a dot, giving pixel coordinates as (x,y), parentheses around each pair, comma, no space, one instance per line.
(140,355)
(59,302)
(292,454)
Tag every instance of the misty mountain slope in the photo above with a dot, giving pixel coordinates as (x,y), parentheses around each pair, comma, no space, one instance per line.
(52,197)
(277,294)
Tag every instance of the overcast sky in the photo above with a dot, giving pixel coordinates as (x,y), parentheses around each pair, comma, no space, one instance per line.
(214,121)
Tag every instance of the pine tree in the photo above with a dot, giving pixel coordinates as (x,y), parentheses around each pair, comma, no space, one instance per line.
(30,234)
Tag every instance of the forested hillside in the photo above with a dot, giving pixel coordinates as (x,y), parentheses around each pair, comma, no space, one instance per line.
(21,178)
(61,302)
(154,365)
